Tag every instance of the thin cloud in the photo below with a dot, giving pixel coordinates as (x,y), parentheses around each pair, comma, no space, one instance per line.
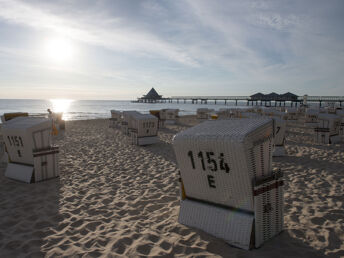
(104,32)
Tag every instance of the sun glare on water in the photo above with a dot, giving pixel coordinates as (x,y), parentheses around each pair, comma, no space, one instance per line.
(59,50)
(61,105)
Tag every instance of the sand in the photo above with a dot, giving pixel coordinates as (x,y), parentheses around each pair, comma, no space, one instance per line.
(114,199)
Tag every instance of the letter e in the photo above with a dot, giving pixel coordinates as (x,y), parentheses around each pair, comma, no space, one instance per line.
(211,181)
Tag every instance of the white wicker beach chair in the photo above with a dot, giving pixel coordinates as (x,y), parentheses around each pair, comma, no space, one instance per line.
(169,116)
(29,145)
(126,122)
(328,129)
(225,113)
(228,187)
(144,129)
(204,113)
(292,114)
(116,119)
(311,118)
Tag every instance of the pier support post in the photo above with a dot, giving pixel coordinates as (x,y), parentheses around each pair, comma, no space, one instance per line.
(236,102)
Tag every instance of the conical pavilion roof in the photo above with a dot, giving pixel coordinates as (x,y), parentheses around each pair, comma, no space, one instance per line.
(152,94)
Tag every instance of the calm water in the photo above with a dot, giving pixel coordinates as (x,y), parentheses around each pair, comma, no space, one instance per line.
(91,109)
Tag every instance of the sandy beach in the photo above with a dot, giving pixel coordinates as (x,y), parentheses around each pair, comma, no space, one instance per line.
(114,199)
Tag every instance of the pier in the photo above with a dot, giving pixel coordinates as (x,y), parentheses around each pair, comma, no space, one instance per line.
(259,99)
(253,101)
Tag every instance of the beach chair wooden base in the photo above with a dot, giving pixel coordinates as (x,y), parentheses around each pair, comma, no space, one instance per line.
(147,140)
(232,226)
(279,151)
(20,172)
(45,167)
(243,229)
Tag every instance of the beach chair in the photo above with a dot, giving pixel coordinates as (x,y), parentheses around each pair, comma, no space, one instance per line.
(32,156)
(327,130)
(169,116)
(228,188)
(225,113)
(115,119)
(144,129)
(311,118)
(156,113)
(204,113)
(126,121)
(292,114)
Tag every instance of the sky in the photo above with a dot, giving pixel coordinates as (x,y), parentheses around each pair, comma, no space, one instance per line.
(85,49)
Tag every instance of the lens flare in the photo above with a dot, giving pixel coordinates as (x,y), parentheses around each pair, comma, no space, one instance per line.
(61,105)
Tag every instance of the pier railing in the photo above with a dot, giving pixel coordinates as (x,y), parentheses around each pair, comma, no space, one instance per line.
(212,97)
(264,100)
(299,98)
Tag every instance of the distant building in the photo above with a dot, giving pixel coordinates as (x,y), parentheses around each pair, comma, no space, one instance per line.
(151,97)
(274,97)
(257,96)
(289,97)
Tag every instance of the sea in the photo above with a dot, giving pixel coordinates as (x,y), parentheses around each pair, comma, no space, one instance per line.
(94,109)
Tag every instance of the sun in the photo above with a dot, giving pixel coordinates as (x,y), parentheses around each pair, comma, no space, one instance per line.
(59,50)
(61,105)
